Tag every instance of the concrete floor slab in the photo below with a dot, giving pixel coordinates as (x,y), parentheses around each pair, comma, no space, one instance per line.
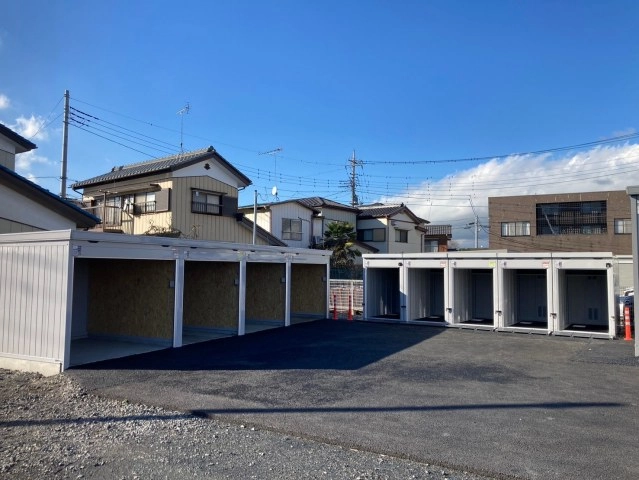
(90,350)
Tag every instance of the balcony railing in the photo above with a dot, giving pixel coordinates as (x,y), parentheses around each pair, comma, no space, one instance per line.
(203,207)
(114,219)
(144,207)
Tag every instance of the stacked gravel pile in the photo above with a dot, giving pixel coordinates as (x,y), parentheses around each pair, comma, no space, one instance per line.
(51,428)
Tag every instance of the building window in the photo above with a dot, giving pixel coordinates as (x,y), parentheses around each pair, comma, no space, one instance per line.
(431,246)
(206,202)
(623,226)
(291,229)
(572,218)
(372,235)
(144,203)
(515,229)
(401,236)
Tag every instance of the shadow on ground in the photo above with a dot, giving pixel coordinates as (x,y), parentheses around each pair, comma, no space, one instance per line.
(322,344)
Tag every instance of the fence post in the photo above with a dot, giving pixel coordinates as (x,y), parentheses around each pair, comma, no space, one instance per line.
(334,307)
(350,307)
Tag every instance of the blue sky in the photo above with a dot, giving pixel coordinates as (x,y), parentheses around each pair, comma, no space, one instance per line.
(406,84)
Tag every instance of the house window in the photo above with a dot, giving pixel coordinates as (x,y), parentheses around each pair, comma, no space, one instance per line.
(431,246)
(572,218)
(206,202)
(401,236)
(144,203)
(291,229)
(515,229)
(623,226)
(372,235)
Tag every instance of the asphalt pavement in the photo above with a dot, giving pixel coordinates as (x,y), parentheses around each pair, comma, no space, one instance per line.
(498,404)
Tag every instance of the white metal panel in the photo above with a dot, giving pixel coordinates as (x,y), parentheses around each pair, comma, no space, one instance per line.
(33,299)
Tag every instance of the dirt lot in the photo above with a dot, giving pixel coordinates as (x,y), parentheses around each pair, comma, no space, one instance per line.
(52,428)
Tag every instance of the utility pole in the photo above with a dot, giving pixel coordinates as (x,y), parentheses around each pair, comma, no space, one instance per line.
(65,141)
(354,163)
(254,216)
(181,112)
(476,231)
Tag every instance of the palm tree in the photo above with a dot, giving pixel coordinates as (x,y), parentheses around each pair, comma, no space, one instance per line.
(340,238)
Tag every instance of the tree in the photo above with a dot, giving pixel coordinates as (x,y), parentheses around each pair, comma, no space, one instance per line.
(340,238)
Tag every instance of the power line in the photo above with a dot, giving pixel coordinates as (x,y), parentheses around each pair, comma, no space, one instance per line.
(77,120)
(502,156)
(112,141)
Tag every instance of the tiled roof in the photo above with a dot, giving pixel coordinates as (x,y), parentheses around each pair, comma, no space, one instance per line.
(315,203)
(158,165)
(377,210)
(312,203)
(18,139)
(47,199)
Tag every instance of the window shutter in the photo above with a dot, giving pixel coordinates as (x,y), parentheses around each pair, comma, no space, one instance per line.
(229,206)
(162,200)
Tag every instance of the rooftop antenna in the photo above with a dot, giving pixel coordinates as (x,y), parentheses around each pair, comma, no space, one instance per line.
(181,113)
(273,153)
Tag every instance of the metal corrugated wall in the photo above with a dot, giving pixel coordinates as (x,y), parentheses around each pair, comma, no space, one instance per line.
(33,300)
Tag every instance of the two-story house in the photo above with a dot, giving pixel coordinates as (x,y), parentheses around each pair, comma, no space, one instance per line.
(380,228)
(301,222)
(26,206)
(191,194)
(391,228)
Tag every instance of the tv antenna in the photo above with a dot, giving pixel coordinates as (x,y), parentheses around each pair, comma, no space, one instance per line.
(273,153)
(185,110)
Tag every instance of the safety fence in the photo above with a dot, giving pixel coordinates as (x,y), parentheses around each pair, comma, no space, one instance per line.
(346,299)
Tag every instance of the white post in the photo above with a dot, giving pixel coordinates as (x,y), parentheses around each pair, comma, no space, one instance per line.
(287,301)
(178,311)
(241,321)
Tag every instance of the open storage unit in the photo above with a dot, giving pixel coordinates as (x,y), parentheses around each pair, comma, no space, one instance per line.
(584,300)
(307,306)
(211,300)
(120,302)
(427,287)
(63,291)
(265,295)
(526,293)
(383,295)
(474,283)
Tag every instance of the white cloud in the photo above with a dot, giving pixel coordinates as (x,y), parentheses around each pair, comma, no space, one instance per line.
(26,161)
(4,102)
(31,128)
(448,201)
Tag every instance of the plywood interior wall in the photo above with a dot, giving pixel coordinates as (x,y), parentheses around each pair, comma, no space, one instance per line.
(211,294)
(265,291)
(308,289)
(133,298)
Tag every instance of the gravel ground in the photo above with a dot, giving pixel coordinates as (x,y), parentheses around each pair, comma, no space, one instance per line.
(51,428)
